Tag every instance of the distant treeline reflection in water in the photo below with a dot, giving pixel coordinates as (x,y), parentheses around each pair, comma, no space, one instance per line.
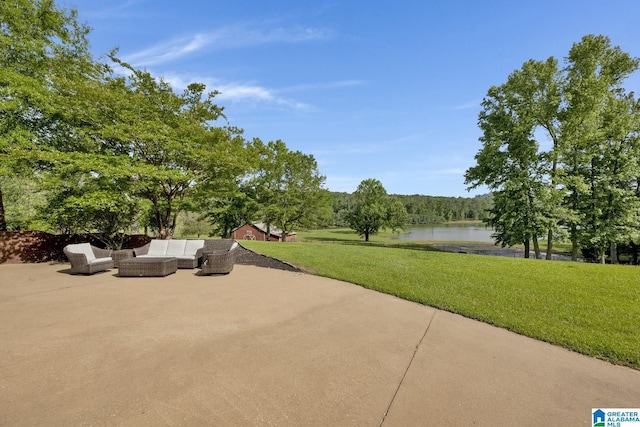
(448,232)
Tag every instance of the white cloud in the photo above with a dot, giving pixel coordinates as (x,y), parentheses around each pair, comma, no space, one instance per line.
(250,93)
(168,51)
(238,92)
(224,38)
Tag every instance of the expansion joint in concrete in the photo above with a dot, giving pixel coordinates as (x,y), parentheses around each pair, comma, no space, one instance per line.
(384,417)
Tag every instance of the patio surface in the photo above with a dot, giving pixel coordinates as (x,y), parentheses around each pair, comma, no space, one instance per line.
(270,347)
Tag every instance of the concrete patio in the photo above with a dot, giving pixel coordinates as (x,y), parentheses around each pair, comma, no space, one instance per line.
(269,347)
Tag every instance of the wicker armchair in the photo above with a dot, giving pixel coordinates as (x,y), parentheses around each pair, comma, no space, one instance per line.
(88,259)
(219,256)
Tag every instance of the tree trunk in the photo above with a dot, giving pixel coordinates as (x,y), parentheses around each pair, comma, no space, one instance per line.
(574,244)
(634,253)
(613,252)
(159,223)
(3,221)
(536,247)
(526,248)
(174,222)
(554,173)
(167,223)
(366,236)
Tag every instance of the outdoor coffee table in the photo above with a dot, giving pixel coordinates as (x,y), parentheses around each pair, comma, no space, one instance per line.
(147,267)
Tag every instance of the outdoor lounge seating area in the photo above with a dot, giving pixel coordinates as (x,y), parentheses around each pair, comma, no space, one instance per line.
(157,258)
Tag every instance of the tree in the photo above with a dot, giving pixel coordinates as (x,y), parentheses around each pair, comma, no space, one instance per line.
(87,197)
(42,47)
(227,199)
(26,196)
(193,224)
(397,217)
(169,144)
(510,162)
(374,210)
(584,182)
(600,126)
(288,187)
(230,209)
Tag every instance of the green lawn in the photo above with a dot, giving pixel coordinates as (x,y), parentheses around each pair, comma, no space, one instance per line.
(590,308)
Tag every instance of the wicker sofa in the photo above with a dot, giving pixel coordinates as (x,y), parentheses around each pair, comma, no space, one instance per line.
(188,252)
(219,256)
(87,259)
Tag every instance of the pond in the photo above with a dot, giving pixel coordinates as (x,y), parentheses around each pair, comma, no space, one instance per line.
(451,232)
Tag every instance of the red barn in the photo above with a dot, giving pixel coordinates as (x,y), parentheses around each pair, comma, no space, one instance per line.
(258,231)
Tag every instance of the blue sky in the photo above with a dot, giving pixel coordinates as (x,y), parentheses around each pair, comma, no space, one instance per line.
(379,89)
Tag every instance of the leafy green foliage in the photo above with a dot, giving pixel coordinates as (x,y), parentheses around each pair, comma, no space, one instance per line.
(374,210)
(41,47)
(421,209)
(510,162)
(586,181)
(231,209)
(24,199)
(168,137)
(601,147)
(104,142)
(288,187)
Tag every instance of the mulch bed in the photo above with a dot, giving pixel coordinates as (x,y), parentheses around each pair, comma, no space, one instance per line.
(248,257)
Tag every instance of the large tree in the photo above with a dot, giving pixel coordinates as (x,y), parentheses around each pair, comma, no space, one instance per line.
(288,186)
(373,209)
(583,180)
(42,49)
(167,141)
(510,162)
(599,126)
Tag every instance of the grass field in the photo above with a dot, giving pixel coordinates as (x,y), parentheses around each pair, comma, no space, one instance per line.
(590,308)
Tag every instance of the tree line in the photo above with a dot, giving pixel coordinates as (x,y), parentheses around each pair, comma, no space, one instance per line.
(421,209)
(560,152)
(84,148)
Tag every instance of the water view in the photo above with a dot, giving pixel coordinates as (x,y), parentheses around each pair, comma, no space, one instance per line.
(451,232)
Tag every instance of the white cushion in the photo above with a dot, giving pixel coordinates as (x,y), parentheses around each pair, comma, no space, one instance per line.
(176,247)
(158,247)
(192,247)
(235,245)
(155,256)
(99,260)
(185,257)
(82,248)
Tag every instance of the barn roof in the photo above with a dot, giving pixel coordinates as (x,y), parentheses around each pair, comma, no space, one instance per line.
(274,231)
